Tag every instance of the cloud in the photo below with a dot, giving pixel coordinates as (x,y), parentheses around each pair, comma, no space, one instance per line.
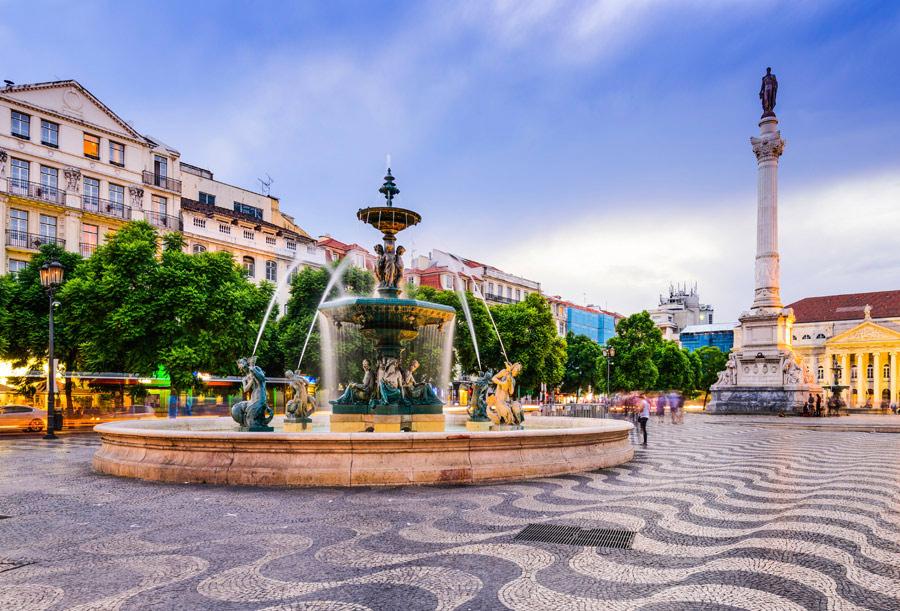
(836,238)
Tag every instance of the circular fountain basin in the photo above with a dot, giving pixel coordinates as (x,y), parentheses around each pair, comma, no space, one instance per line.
(210,450)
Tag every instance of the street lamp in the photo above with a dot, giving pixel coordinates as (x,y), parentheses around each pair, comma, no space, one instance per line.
(609,353)
(51,278)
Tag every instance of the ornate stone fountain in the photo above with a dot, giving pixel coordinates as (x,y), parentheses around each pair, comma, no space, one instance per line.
(388,399)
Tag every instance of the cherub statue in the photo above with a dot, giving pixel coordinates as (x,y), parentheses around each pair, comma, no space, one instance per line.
(398,267)
(253,414)
(302,405)
(380,263)
(501,408)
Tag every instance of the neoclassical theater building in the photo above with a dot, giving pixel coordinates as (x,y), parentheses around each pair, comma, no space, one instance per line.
(852,340)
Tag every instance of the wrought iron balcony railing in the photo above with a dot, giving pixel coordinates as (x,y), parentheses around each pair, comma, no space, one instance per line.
(86,249)
(163,221)
(499,298)
(163,182)
(34,190)
(32,241)
(106,207)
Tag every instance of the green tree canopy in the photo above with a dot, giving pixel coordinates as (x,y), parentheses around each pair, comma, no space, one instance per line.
(712,362)
(582,364)
(674,368)
(529,334)
(636,342)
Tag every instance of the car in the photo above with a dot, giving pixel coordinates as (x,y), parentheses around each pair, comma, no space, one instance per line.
(22,417)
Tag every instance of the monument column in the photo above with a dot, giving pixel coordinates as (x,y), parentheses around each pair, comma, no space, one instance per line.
(767,148)
(845,376)
(876,380)
(861,382)
(892,382)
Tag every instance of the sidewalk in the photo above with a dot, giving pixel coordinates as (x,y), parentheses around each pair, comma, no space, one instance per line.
(875,423)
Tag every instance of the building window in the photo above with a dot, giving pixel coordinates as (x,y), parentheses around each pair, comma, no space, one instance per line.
(206,198)
(117,153)
(447,281)
(48,227)
(91,190)
(291,245)
(853,372)
(161,204)
(272,271)
(490,288)
(518,295)
(250,266)
(117,197)
(21,125)
(226,229)
(16,265)
(806,336)
(201,223)
(49,133)
(249,235)
(253,211)
(820,336)
(870,371)
(509,292)
(270,240)
(820,373)
(886,371)
(160,166)
(90,237)
(19,175)
(18,227)
(49,180)
(92,146)
(198,248)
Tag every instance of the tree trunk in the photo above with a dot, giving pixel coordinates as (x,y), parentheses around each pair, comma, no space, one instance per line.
(69,408)
(705,397)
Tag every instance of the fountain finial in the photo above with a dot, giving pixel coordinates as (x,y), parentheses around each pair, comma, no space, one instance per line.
(389,188)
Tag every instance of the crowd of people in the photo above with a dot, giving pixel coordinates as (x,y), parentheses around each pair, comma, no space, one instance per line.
(641,406)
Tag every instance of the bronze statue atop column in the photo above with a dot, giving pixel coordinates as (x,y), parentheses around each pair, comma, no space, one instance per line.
(768,91)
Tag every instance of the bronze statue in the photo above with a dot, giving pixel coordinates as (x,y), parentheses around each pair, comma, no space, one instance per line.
(379,264)
(398,267)
(419,393)
(359,393)
(767,93)
(253,414)
(478,402)
(302,405)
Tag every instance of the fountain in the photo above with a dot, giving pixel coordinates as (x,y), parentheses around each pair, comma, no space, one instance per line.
(388,428)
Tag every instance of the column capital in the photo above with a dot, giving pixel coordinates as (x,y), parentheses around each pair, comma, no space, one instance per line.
(768,147)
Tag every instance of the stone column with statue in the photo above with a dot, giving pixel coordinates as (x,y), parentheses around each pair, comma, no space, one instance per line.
(763,375)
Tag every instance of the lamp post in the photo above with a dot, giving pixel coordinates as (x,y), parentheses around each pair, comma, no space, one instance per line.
(609,353)
(51,278)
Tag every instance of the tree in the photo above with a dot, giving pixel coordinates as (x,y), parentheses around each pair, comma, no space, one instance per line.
(529,334)
(712,362)
(462,342)
(582,364)
(696,372)
(213,312)
(674,367)
(24,324)
(636,341)
(306,292)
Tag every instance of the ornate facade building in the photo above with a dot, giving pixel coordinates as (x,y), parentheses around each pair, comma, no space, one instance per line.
(73,171)
(852,340)
(679,309)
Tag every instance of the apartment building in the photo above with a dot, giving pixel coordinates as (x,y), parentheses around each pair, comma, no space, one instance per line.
(73,171)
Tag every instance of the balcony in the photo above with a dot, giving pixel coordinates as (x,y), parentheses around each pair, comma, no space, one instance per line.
(499,298)
(105,207)
(37,191)
(30,241)
(163,182)
(163,221)
(86,249)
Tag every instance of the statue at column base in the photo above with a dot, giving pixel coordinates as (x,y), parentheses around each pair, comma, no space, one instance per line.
(772,383)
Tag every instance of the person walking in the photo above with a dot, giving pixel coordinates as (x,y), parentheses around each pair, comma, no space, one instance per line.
(644,416)
(661,402)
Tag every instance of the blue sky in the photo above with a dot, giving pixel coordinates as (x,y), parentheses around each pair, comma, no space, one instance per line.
(601,148)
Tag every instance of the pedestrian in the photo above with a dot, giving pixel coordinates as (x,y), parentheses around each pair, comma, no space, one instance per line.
(818,405)
(661,402)
(808,408)
(644,416)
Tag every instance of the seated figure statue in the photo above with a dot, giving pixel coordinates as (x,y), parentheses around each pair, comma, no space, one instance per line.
(302,405)
(418,393)
(501,407)
(253,414)
(478,402)
(359,393)
(390,383)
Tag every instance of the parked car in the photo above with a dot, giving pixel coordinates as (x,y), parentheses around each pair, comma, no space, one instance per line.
(22,417)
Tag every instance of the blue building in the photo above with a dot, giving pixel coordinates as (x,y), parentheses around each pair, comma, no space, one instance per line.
(720,335)
(599,325)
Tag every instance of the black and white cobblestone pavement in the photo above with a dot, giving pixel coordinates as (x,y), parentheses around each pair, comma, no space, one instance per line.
(729,515)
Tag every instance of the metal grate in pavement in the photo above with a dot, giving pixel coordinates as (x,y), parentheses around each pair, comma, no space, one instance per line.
(5,517)
(572,535)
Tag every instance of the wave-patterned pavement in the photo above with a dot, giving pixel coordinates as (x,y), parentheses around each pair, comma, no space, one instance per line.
(729,515)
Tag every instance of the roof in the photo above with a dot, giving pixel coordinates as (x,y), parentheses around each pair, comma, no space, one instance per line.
(712,328)
(330,242)
(575,306)
(73,83)
(885,304)
(194,206)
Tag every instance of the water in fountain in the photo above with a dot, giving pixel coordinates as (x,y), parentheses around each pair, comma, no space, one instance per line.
(465,306)
(491,316)
(284,280)
(336,275)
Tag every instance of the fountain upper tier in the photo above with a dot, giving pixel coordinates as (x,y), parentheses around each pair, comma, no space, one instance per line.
(387,219)
(387,320)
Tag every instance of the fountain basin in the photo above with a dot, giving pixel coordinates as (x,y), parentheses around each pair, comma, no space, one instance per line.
(211,451)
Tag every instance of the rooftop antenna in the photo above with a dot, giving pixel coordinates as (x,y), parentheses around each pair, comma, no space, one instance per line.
(265,183)
(8,82)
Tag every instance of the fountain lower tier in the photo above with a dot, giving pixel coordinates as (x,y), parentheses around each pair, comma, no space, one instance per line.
(385,401)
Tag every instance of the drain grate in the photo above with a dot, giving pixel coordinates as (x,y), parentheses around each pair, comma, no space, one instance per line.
(5,517)
(572,535)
